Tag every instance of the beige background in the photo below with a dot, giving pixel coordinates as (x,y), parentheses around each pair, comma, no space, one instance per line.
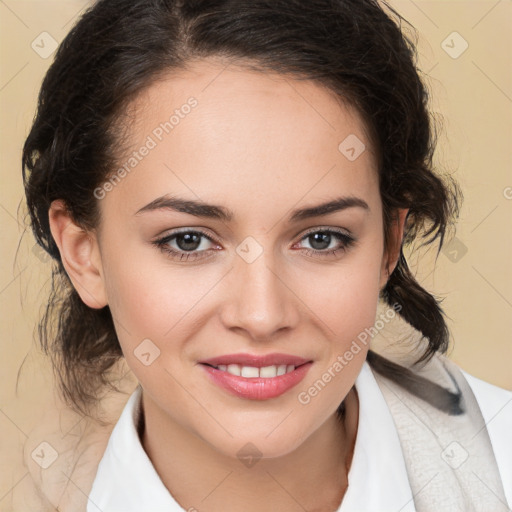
(472,95)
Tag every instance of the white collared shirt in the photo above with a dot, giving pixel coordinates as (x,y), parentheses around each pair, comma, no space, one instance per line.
(126,480)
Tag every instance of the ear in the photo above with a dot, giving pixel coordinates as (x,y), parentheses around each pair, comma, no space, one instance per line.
(392,251)
(80,255)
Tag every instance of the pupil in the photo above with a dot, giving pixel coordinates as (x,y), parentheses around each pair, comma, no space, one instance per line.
(191,241)
(317,237)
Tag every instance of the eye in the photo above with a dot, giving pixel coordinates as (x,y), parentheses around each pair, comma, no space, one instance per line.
(188,243)
(322,240)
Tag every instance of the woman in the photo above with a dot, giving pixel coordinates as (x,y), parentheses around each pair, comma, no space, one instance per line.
(226,189)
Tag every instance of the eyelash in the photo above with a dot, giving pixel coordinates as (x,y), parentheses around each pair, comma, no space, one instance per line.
(346,240)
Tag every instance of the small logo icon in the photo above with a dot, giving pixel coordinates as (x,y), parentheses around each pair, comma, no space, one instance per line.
(455,250)
(454,45)
(454,455)
(40,253)
(146,352)
(249,249)
(44,455)
(44,45)
(351,147)
(249,455)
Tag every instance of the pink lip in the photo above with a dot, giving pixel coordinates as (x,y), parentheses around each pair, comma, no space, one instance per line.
(257,388)
(255,360)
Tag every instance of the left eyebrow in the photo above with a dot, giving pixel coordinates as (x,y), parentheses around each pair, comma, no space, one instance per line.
(212,211)
(341,203)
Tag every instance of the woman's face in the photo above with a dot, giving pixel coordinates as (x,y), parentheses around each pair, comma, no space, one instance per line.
(264,282)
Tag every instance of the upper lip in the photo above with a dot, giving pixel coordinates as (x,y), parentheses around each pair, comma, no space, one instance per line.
(257,361)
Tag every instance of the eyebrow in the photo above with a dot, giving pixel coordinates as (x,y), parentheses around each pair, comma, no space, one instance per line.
(212,211)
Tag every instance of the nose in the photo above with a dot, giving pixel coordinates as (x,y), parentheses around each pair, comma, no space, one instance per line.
(261,302)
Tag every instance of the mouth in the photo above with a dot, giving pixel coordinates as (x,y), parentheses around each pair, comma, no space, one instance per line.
(256,377)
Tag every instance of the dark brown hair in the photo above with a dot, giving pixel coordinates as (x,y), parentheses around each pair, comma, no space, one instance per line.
(356,48)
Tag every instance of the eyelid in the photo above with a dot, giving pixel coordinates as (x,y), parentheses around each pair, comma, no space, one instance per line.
(343,231)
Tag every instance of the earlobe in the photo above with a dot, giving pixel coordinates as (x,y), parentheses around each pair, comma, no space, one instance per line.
(80,256)
(392,252)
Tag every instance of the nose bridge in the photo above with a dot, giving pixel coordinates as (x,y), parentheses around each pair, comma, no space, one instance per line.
(260,302)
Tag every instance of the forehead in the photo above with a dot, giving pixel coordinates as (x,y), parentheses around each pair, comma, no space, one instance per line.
(217,131)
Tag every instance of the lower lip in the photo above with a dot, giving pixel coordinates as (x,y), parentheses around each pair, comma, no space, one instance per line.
(257,388)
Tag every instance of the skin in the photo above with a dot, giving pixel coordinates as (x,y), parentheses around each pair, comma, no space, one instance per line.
(260,145)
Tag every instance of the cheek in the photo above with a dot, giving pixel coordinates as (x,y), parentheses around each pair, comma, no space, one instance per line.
(153,299)
(345,298)
(345,314)
(151,307)
(345,306)
(150,300)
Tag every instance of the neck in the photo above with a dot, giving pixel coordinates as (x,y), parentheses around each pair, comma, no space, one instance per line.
(312,477)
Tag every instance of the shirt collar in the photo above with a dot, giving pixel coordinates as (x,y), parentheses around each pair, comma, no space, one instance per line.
(127,481)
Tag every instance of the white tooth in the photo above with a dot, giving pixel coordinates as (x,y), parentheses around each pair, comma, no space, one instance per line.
(281,369)
(268,371)
(222,367)
(290,368)
(250,371)
(234,369)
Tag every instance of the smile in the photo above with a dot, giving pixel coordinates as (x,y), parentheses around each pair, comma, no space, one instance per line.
(256,377)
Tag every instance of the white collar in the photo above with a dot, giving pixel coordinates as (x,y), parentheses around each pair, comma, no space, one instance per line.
(127,481)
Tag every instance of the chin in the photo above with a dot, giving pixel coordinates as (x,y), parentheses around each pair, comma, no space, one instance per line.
(256,444)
